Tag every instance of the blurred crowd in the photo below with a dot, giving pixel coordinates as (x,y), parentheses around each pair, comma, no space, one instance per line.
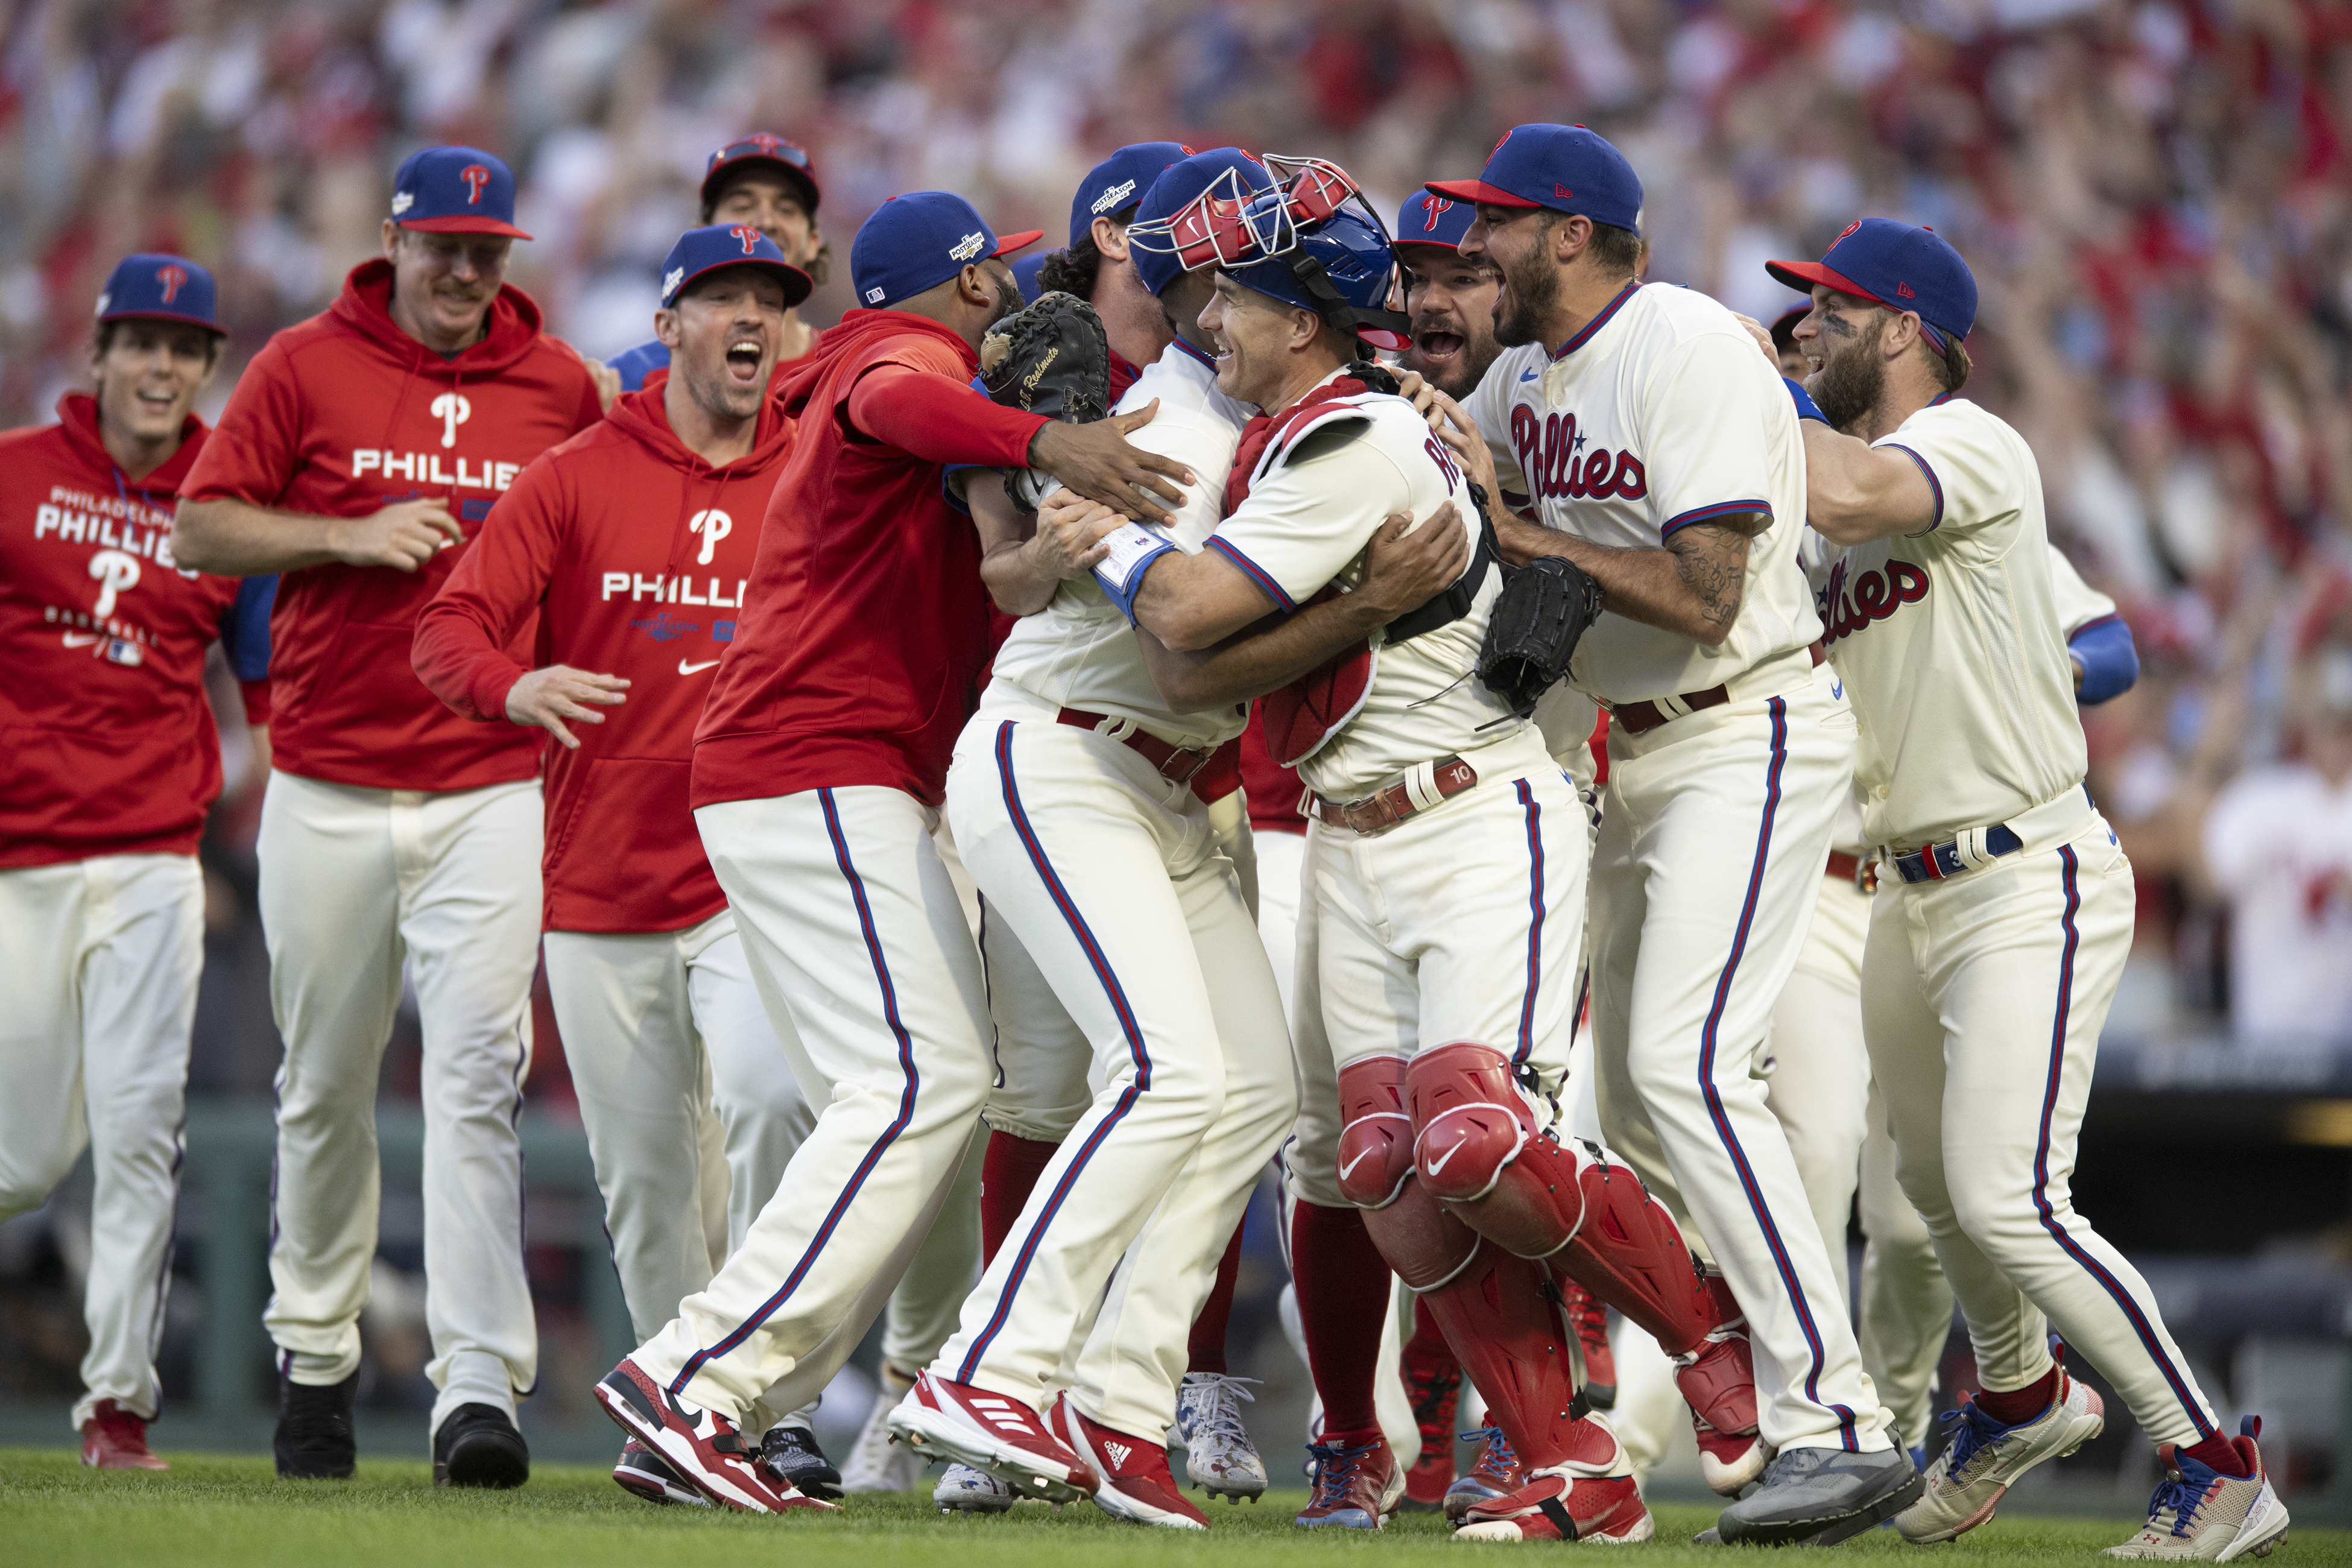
(2155,197)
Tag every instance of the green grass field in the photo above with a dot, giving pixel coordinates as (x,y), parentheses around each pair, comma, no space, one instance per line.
(234,1512)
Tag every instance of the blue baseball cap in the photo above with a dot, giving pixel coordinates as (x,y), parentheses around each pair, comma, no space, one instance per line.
(1158,263)
(722,245)
(1119,181)
(454,190)
(1564,167)
(152,287)
(1899,266)
(920,241)
(1427,220)
(790,158)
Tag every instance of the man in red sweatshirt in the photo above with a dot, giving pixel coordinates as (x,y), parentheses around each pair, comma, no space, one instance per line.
(111,762)
(622,542)
(819,770)
(359,453)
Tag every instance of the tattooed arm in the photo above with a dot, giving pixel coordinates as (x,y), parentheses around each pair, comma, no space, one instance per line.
(1693,586)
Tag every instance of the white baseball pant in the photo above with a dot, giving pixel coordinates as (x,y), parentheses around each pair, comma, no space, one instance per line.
(1905,1303)
(1820,1082)
(1112,879)
(1982,998)
(864,964)
(1712,842)
(660,1029)
(1281,863)
(355,882)
(103,956)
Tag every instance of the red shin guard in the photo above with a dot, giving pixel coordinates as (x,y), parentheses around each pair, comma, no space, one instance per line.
(1008,1170)
(1502,1319)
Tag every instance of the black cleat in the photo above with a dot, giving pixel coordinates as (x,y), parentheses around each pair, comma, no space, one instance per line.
(1819,1497)
(314,1441)
(790,1454)
(479,1446)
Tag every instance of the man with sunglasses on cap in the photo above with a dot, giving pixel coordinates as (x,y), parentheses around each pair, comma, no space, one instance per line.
(770,184)
(819,769)
(360,451)
(113,759)
(2005,908)
(634,520)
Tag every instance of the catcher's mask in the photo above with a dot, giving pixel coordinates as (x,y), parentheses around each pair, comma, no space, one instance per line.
(1312,241)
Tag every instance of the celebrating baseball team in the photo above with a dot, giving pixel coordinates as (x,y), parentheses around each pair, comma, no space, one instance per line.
(1588,785)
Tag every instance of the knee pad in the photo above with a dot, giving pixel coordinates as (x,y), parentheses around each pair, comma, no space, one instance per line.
(1375,1132)
(1424,1242)
(1468,1119)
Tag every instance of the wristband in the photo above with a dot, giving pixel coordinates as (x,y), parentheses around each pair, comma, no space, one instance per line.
(1806,407)
(1133,549)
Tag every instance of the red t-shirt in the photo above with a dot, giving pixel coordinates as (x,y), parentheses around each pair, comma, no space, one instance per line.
(858,657)
(340,417)
(107,744)
(633,555)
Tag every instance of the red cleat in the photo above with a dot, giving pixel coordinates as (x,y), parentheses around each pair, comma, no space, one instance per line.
(1132,1480)
(1496,1475)
(115,1439)
(995,1434)
(1589,1498)
(698,1447)
(1356,1486)
(1719,1381)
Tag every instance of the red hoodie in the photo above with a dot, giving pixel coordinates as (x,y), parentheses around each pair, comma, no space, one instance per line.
(867,626)
(340,417)
(106,745)
(633,553)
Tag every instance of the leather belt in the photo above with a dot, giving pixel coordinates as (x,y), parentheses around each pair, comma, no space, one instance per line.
(1641,718)
(1844,868)
(1976,847)
(1379,812)
(1178,765)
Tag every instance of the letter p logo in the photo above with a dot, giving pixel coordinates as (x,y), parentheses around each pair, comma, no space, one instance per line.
(452,410)
(749,236)
(713,525)
(115,570)
(475,176)
(170,277)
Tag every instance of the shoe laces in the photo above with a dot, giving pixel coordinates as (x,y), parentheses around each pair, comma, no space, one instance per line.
(2180,1494)
(1497,1458)
(1215,1408)
(1335,1469)
(1967,1431)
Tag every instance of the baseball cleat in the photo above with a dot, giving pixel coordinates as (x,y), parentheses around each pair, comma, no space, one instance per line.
(963,1490)
(1218,1453)
(2202,1515)
(878,1463)
(1983,1459)
(701,1448)
(1496,1475)
(791,1455)
(1133,1480)
(641,1475)
(1553,1506)
(1434,1392)
(1818,1496)
(1356,1485)
(1718,1381)
(115,1439)
(314,1441)
(1589,1318)
(478,1445)
(993,1433)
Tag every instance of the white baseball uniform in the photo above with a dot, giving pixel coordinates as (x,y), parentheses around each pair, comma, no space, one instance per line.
(1658,414)
(1116,883)
(1984,986)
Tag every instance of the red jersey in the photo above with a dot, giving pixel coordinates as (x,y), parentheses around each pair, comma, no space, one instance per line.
(1274,790)
(341,416)
(858,656)
(634,555)
(107,744)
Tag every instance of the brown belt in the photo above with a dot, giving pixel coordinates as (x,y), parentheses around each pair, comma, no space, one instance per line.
(1178,764)
(1641,718)
(1844,868)
(1379,812)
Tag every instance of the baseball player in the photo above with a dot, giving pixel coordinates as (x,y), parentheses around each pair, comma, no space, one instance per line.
(770,184)
(1644,432)
(818,772)
(2008,914)
(360,452)
(113,762)
(598,539)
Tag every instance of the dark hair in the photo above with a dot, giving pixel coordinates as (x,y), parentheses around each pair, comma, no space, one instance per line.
(1073,270)
(1955,365)
(1618,252)
(104,340)
(820,266)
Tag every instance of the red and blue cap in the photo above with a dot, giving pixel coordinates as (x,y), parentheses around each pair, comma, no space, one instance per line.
(1119,181)
(919,241)
(724,245)
(761,148)
(1430,220)
(1564,167)
(1899,266)
(153,286)
(454,190)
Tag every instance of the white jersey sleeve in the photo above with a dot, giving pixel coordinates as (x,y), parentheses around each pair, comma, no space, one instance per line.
(1705,452)
(2079,604)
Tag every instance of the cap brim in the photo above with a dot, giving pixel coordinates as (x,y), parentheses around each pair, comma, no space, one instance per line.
(1022,241)
(1804,277)
(1477,191)
(461,226)
(1425,244)
(165,316)
(798,285)
(793,172)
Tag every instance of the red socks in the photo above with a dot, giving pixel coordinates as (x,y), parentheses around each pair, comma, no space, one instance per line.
(2218,1453)
(1008,1170)
(1208,1347)
(2020,1404)
(1343,1285)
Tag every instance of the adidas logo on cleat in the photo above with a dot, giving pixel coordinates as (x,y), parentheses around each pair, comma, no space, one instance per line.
(1119,1453)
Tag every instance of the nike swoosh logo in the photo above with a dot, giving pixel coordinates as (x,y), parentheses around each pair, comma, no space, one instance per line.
(1450,1153)
(1353,1164)
(686,668)
(1529,373)
(81,639)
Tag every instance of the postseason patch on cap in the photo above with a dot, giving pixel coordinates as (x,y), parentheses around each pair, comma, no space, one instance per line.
(919,241)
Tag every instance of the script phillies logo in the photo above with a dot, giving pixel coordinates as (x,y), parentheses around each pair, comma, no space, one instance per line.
(1873,596)
(1553,459)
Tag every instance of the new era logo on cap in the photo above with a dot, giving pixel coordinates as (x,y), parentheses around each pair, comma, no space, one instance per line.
(919,241)
(454,190)
(161,287)
(1565,167)
(1900,266)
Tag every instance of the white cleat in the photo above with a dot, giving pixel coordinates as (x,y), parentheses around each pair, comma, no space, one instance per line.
(1218,1453)
(2201,1515)
(1983,1459)
(964,1489)
(877,1464)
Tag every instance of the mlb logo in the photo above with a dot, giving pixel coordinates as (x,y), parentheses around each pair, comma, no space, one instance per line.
(873,296)
(124,652)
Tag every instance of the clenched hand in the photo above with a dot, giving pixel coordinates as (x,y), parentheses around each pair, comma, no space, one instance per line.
(402,536)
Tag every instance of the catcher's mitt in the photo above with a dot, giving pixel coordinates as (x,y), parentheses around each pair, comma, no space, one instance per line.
(1544,608)
(1050,358)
